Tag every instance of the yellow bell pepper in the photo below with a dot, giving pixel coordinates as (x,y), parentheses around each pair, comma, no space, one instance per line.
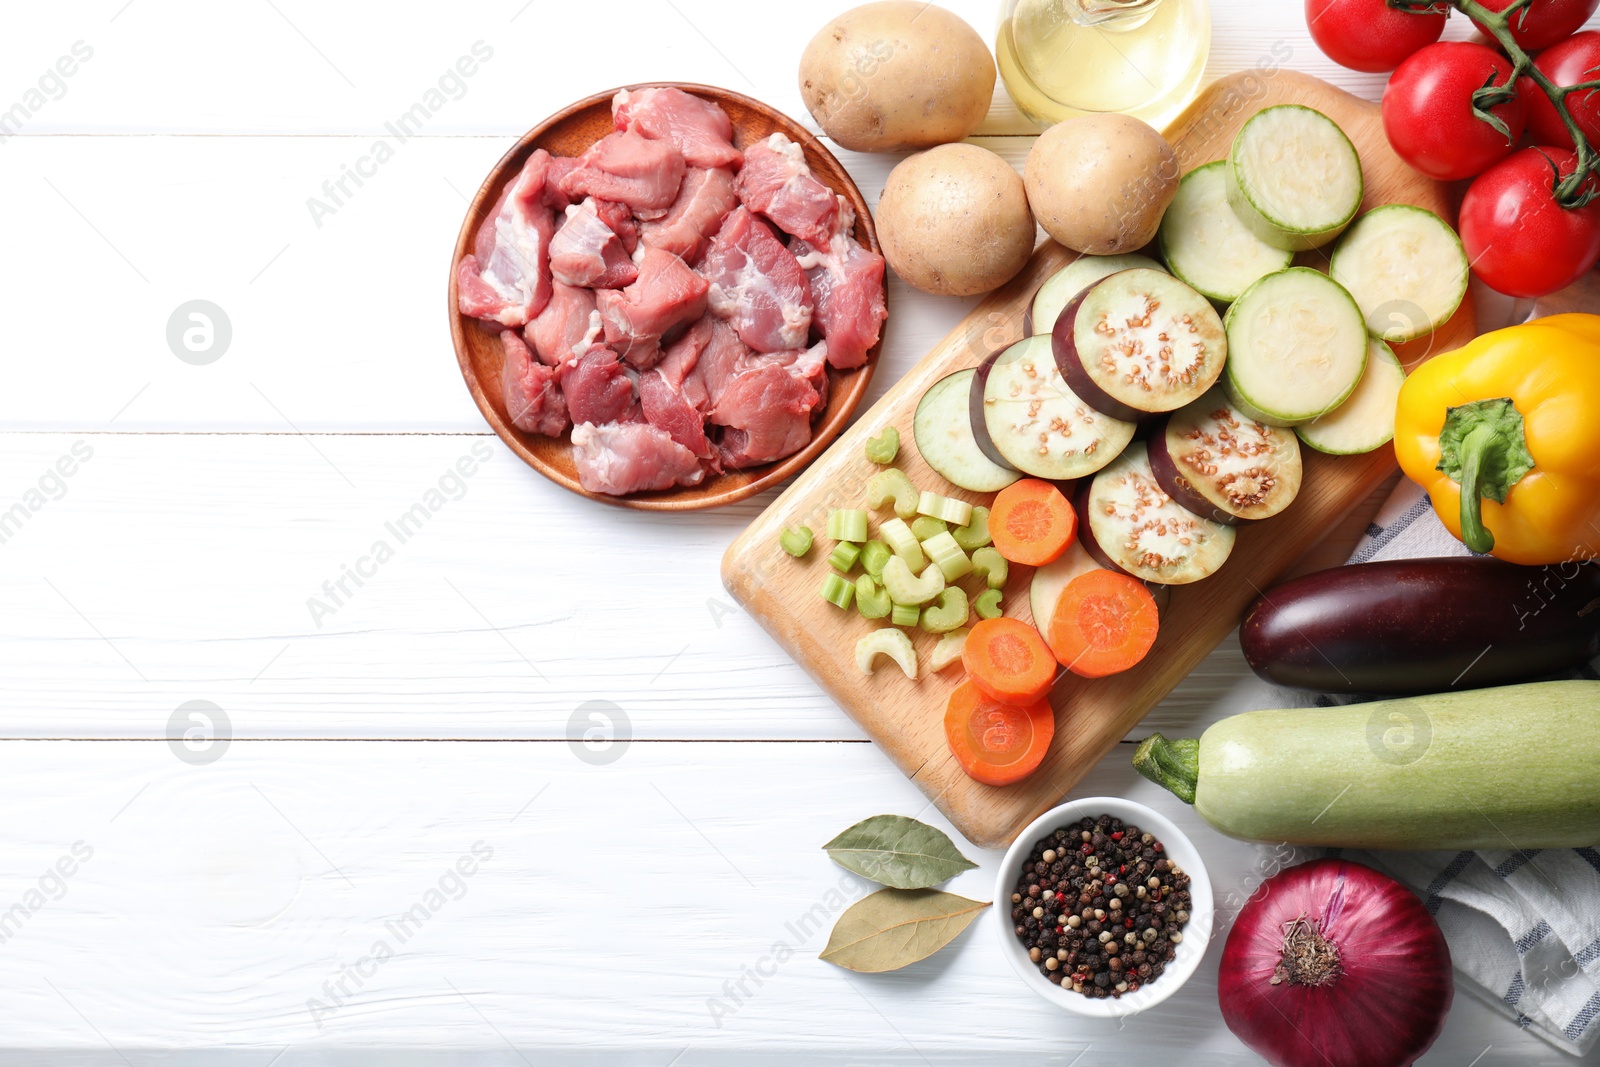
(1504,434)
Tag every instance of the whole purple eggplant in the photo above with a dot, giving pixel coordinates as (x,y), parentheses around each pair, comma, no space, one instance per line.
(1424,625)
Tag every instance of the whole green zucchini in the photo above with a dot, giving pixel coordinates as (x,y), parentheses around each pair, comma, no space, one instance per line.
(1515,767)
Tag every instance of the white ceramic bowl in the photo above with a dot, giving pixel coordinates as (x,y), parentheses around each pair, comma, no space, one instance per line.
(1178,849)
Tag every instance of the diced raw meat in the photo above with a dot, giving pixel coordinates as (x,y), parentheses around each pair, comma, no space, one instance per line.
(667,294)
(506,279)
(777,182)
(627,458)
(757,284)
(698,129)
(703,202)
(680,367)
(621,221)
(586,251)
(560,167)
(847,285)
(768,414)
(627,168)
(721,361)
(533,399)
(597,387)
(561,325)
(666,406)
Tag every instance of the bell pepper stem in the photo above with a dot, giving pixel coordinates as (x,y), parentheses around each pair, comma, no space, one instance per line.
(1173,765)
(1474,454)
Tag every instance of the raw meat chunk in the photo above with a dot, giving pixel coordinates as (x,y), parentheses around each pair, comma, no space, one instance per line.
(667,294)
(721,361)
(533,399)
(560,167)
(777,182)
(626,458)
(621,221)
(680,367)
(561,325)
(703,202)
(506,279)
(627,168)
(698,129)
(847,285)
(768,414)
(597,387)
(667,406)
(757,284)
(586,251)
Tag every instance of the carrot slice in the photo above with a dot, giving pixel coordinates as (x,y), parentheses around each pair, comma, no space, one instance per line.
(995,743)
(1032,523)
(1104,623)
(1008,661)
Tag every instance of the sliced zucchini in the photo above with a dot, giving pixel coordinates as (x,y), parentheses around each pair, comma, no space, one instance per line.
(1059,289)
(943,429)
(1024,415)
(1297,344)
(1366,420)
(1206,245)
(1223,466)
(1145,532)
(1294,178)
(1406,269)
(1139,341)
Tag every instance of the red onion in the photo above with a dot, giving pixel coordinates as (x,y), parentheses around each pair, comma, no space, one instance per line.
(1332,964)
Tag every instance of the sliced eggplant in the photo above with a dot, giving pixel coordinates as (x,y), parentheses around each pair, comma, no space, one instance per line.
(1138,528)
(1224,466)
(943,430)
(1024,415)
(1059,289)
(1139,341)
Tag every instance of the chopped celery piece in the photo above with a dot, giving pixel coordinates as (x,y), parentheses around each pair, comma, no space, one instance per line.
(990,565)
(905,615)
(975,534)
(843,557)
(907,588)
(947,556)
(874,554)
(988,604)
(948,614)
(892,487)
(837,591)
(904,543)
(955,512)
(887,642)
(925,526)
(871,599)
(884,447)
(847,524)
(796,542)
(949,649)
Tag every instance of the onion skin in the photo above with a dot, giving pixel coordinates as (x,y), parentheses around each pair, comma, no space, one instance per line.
(1385,1009)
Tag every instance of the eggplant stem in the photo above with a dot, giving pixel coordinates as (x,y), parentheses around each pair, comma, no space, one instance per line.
(1173,765)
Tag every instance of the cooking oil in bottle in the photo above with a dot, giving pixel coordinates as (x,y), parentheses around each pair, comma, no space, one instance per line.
(1061,58)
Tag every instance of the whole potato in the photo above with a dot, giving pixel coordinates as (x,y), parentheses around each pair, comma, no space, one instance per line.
(1100,183)
(954,220)
(895,75)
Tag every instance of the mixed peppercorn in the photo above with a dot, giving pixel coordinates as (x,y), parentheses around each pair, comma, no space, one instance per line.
(1100,908)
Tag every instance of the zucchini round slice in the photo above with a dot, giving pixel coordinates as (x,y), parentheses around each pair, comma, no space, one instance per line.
(1405,268)
(1139,341)
(1144,532)
(1206,245)
(1059,289)
(1365,421)
(943,430)
(1294,178)
(1223,466)
(1024,415)
(1297,344)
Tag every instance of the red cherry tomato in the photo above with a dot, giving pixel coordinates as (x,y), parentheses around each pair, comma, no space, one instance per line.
(1566,63)
(1517,238)
(1370,35)
(1427,110)
(1544,22)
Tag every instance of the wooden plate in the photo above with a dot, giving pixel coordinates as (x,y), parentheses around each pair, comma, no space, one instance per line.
(568,133)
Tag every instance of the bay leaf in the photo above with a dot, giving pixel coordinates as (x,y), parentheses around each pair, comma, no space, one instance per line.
(896,927)
(898,851)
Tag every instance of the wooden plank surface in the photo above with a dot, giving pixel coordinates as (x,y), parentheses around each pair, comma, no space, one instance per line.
(906,717)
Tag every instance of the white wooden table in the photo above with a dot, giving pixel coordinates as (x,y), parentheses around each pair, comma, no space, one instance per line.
(227,900)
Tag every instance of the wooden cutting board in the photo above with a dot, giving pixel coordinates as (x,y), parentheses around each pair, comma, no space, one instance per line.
(906,718)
